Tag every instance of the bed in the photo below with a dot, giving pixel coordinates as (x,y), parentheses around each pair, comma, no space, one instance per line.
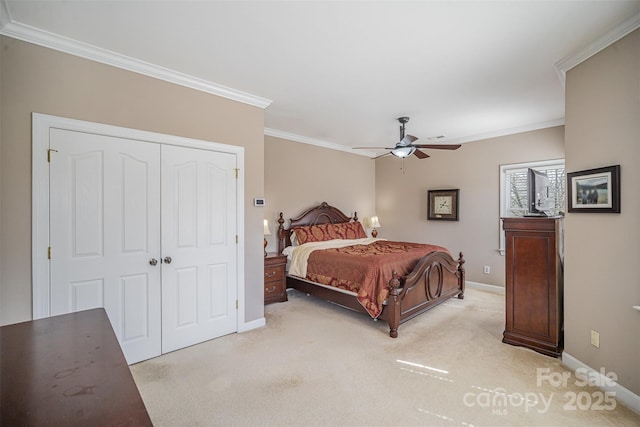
(369,275)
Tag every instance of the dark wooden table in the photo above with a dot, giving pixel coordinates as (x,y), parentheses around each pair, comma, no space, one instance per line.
(67,370)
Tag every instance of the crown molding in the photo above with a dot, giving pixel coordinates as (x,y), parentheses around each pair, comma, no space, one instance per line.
(478,137)
(596,46)
(63,44)
(317,142)
(509,131)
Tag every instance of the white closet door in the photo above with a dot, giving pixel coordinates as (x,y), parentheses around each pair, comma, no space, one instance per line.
(105,228)
(199,235)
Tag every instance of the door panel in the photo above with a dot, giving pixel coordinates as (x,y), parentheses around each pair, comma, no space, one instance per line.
(87,295)
(186,285)
(186,196)
(198,233)
(135,237)
(135,317)
(218,294)
(105,227)
(86,185)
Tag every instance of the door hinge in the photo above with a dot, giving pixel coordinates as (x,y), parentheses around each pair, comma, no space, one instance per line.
(49,253)
(236,239)
(237,171)
(49,154)
(236,304)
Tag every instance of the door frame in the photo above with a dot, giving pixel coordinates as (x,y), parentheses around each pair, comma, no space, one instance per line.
(40,185)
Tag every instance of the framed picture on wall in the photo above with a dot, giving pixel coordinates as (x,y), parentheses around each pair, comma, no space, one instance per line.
(443,204)
(594,190)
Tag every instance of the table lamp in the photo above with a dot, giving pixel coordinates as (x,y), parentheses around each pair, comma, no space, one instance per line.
(267,232)
(374,223)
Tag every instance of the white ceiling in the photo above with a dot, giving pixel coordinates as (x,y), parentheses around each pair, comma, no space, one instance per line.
(340,73)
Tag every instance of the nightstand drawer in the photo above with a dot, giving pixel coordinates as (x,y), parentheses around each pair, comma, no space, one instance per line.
(272,289)
(273,273)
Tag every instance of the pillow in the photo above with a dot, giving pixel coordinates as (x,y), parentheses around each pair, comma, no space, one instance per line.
(306,234)
(323,232)
(353,230)
(293,238)
(288,251)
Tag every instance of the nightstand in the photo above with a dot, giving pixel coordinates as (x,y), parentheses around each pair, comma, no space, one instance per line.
(275,283)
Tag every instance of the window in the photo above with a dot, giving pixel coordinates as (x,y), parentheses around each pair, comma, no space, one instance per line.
(513,188)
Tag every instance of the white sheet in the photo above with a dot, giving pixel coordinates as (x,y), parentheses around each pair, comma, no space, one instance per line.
(300,254)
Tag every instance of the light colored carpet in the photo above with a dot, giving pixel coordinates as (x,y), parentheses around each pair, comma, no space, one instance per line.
(318,364)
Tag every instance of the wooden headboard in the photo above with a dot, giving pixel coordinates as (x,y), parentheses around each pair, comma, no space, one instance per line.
(321,214)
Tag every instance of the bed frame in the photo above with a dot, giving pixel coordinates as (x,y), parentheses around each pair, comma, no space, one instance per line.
(436,278)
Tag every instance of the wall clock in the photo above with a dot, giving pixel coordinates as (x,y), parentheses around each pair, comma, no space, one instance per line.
(443,204)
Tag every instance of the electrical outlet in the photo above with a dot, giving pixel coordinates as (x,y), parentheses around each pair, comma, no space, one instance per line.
(595,339)
(487,269)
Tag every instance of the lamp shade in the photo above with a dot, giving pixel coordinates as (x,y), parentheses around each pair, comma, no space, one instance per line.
(267,231)
(374,222)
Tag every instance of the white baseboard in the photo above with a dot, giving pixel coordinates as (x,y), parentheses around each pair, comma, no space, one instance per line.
(254,324)
(622,394)
(484,287)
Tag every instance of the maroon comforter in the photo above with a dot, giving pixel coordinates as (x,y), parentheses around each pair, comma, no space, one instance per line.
(367,269)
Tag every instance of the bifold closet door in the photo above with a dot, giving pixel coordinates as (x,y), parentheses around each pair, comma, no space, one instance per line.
(147,231)
(105,234)
(199,247)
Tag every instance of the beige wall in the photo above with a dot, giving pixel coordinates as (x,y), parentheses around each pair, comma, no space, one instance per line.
(299,176)
(401,196)
(602,250)
(36,79)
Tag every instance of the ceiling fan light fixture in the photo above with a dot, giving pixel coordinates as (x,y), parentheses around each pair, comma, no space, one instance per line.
(403,152)
(406,147)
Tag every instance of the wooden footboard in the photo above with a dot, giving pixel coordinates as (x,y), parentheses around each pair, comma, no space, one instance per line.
(436,278)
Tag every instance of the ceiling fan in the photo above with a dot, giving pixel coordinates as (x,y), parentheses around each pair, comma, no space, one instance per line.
(406,146)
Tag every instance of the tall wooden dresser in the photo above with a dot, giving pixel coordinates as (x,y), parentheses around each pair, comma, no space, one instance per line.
(534,316)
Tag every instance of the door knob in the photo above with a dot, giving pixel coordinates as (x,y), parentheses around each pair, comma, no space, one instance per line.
(153,261)
(167,260)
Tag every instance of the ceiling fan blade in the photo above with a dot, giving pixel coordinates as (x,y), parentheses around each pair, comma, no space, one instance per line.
(373,148)
(407,140)
(381,155)
(439,146)
(420,154)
